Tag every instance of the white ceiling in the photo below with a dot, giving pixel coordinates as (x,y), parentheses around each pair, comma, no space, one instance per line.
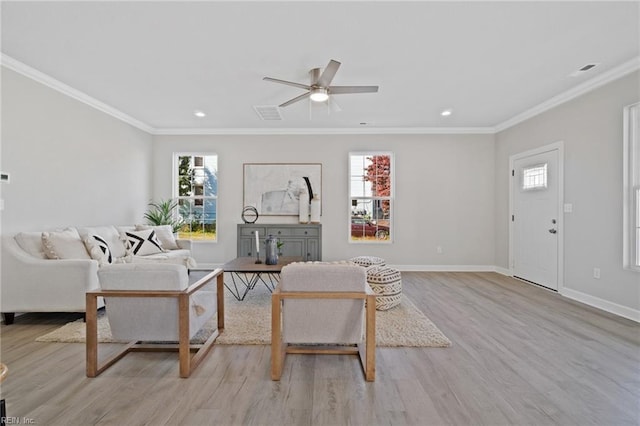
(157,62)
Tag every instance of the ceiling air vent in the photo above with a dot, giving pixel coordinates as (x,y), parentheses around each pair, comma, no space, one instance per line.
(268,112)
(583,70)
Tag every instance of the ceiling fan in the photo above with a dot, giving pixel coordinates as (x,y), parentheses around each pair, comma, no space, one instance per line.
(320,87)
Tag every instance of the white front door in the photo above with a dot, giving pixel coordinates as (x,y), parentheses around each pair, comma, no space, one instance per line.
(536,181)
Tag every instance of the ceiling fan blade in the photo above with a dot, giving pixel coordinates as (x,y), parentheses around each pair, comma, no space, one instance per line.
(333,105)
(328,74)
(338,90)
(296,99)
(288,83)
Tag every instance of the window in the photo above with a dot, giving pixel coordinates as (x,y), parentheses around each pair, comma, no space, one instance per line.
(534,177)
(631,170)
(196,188)
(370,197)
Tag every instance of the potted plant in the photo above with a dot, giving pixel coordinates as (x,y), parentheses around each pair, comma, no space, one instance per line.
(162,213)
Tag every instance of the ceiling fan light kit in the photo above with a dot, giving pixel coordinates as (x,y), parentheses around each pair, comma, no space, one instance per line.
(320,88)
(319,95)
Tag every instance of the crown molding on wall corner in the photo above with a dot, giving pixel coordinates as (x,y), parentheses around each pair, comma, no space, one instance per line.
(581,89)
(330,131)
(40,77)
(587,86)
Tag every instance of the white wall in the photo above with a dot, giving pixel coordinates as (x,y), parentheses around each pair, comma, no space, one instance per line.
(73,165)
(69,163)
(591,128)
(444,195)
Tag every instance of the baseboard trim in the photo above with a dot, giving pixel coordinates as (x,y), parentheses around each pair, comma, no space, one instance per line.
(445,268)
(605,305)
(502,271)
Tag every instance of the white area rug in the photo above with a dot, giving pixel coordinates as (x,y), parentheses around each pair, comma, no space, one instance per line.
(249,323)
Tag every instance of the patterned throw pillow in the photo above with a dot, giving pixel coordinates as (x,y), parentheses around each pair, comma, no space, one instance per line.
(164,234)
(142,243)
(99,249)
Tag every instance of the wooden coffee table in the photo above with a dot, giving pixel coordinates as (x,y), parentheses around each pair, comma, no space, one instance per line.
(245,273)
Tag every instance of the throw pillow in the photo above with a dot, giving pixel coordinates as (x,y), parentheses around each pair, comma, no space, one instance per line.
(109,234)
(31,242)
(64,245)
(99,249)
(164,234)
(142,243)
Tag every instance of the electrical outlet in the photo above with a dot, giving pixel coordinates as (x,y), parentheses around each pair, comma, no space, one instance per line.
(439,249)
(596,273)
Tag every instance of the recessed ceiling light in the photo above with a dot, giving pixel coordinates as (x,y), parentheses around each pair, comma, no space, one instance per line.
(199,113)
(447,112)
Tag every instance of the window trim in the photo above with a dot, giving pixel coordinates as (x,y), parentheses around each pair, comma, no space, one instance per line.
(175,190)
(391,197)
(631,189)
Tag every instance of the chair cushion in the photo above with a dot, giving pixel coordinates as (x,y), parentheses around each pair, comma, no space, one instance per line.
(320,320)
(145,276)
(323,276)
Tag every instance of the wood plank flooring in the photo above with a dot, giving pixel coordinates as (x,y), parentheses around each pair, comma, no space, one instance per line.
(521,355)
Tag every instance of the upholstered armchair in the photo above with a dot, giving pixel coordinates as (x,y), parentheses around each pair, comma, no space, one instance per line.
(154,303)
(323,308)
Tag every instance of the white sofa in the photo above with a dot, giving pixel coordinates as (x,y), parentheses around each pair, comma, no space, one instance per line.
(51,271)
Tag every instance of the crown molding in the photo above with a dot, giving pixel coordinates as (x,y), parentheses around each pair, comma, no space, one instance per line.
(579,90)
(330,131)
(40,77)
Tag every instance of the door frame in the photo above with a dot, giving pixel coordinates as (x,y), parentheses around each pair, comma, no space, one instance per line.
(559,146)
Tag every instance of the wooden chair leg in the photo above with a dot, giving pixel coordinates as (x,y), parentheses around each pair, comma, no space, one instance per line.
(92,335)
(370,360)
(184,353)
(220,297)
(277,357)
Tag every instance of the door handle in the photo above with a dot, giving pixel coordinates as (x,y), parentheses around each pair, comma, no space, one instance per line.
(552,231)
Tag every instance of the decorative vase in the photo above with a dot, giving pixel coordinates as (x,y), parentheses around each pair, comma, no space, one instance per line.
(271,256)
(315,209)
(304,206)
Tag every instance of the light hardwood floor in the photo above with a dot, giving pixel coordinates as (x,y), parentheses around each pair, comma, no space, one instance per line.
(520,355)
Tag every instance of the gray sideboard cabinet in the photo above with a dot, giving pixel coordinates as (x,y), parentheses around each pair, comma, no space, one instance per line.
(299,240)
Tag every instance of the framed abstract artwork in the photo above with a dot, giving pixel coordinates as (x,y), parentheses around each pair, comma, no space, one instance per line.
(274,188)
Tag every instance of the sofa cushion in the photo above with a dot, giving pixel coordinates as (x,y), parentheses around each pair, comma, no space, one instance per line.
(142,243)
(164,234)
(112,237)
(31,242)
(64,245)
